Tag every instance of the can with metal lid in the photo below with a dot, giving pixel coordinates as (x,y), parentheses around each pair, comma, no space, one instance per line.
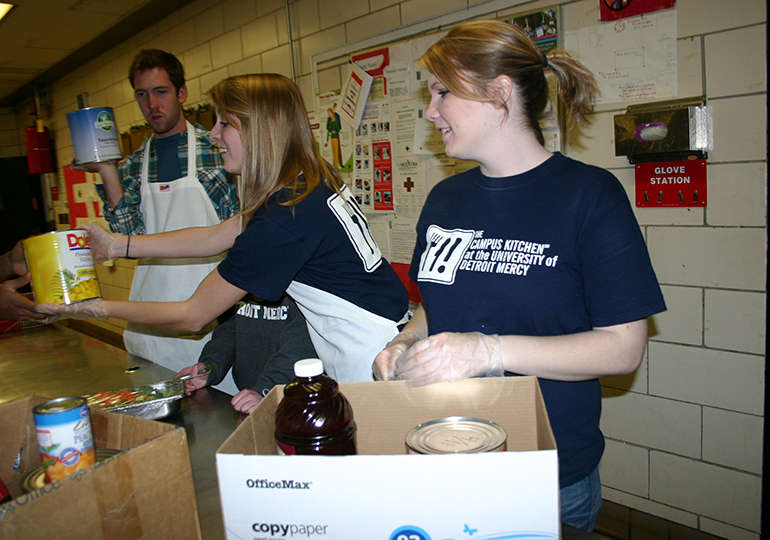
(456,435)
(62,267)
(94,134)
(64,437)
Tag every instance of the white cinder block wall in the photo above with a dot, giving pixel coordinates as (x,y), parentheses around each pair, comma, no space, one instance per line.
(685,432)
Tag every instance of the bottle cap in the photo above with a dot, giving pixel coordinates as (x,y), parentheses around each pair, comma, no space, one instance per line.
(309,367)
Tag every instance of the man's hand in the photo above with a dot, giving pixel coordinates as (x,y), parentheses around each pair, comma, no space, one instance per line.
(108,170)
(15,306)
(98,168)
(245,401)
(18,262)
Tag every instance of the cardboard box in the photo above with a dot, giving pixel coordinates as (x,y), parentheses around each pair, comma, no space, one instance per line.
(145,492)
(384,493)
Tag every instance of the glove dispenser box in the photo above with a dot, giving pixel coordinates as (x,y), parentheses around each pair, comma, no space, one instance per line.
(664,131)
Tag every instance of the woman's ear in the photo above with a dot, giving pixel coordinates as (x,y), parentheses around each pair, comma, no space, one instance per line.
(500,89)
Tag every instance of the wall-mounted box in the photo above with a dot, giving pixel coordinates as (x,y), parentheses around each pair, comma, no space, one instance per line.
(665,131)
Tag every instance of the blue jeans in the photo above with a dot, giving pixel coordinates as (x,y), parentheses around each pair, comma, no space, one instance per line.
(580,502)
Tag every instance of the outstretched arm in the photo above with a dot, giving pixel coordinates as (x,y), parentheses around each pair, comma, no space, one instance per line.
(190,242)
(212,297)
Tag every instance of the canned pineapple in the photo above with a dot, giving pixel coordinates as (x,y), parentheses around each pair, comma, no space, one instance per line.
(62,268)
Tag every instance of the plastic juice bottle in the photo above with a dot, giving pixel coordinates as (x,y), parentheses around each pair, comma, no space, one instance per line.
(314,418)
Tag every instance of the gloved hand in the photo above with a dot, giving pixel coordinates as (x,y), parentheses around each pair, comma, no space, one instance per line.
(451,356)
(384,365)
(105,245)
(88,309)
(245,401)
(194,383)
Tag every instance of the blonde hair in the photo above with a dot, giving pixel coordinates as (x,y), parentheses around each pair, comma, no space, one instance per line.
(279,151)
(474,53)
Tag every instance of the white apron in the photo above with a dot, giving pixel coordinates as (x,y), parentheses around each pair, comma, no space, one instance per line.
(167,206)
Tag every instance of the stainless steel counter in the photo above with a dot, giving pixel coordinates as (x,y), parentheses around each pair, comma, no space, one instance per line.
(55,361)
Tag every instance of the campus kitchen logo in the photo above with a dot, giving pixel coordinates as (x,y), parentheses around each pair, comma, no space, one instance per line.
(264,483)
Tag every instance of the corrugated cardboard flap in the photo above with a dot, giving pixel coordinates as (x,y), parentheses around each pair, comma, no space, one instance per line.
(146,491)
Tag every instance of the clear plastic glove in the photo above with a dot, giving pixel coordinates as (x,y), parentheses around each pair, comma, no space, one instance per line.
(88,309)
(384,366)
(105,245)
(16,306)
(451,356)
(245,401)
(194,383)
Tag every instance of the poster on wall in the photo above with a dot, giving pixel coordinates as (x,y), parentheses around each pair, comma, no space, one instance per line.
(612,10)
(372,161)
(374,64)
(541,26)
(354,95)
(372,183)
(633,59)
(333,136)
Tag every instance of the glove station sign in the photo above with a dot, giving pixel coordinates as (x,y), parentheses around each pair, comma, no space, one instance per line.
(671,183)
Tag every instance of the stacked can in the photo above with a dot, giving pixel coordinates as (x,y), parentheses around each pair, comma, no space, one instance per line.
(64,437)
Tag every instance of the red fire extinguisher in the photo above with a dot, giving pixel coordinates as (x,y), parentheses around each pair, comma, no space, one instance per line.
(38,144)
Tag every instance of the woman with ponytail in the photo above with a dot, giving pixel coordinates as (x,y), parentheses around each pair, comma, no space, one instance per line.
(532,263)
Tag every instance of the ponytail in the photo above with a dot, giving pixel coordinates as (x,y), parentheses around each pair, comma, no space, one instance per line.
(577,85)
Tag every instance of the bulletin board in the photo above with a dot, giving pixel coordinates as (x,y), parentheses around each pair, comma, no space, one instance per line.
(393,156)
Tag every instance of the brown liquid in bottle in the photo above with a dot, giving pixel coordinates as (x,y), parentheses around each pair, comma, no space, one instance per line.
(314,418)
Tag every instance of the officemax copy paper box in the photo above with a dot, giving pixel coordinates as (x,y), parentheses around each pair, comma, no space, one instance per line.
(143,492)
(385,493)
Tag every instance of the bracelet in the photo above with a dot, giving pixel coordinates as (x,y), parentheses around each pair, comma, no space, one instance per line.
(128,243)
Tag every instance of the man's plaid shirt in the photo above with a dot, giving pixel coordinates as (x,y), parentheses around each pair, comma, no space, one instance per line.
(126,217)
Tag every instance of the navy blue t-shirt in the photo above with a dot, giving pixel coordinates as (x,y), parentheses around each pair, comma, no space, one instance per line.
(322,253)
(169,167)
(553,251)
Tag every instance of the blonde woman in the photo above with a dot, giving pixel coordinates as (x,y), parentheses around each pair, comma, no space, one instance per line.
(531,263)
(302,233)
